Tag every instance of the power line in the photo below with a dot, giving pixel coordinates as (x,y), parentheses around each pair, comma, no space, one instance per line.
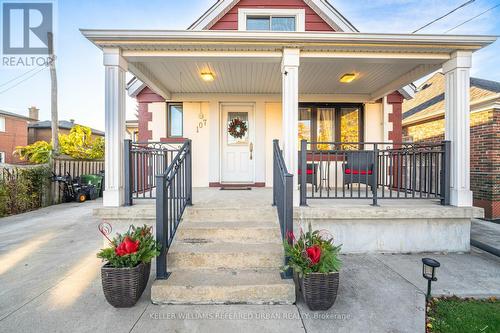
(441,17)
(25,79)
(18,77)
(473,18)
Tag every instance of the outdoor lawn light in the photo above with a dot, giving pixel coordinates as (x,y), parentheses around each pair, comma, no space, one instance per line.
(429,273)
(207,76)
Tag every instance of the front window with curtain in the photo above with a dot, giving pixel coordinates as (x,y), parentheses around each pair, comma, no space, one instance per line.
(329,122)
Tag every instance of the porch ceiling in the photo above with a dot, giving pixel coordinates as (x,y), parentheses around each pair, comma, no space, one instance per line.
(263,75)
(249,62)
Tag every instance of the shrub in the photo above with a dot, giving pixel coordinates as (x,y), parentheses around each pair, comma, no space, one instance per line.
(312,252)
(131,248)
(22,190)
(79,144)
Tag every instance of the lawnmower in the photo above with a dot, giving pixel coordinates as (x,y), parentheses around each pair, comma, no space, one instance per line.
(73,190)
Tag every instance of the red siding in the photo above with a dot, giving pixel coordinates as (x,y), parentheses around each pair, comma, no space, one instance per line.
(313,21)
(145,97)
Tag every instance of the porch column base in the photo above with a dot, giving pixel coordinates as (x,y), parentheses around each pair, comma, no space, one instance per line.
(113,197)
(460,198)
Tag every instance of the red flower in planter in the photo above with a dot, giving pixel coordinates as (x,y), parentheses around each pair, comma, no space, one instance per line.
(314,253)
(290,236)
(128,246)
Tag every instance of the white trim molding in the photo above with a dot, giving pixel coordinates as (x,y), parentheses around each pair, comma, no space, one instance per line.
(299,14)
(457,125)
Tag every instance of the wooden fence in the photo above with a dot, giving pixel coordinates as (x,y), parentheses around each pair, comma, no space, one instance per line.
(64,165)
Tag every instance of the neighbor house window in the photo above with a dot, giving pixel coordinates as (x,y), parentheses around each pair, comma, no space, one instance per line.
(2,124)
(2,157)
(174,121)
(330,123)
(264,19)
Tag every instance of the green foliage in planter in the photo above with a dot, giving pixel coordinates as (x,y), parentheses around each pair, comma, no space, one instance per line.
(131,248)
(312,252)
(79,144)
(23,189)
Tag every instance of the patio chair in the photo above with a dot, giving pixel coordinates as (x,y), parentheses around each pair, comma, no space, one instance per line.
(311,174)
(358,168)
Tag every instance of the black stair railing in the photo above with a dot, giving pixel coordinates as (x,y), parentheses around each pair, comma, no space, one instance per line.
(174,192)
(283,197)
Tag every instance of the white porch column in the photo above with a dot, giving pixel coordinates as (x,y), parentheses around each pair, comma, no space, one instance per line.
(115,69)
(457,125)
(290,113)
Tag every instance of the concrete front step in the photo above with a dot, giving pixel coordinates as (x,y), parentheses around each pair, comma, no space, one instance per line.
(252,232)
(259,286)
(250,214)
(202,255)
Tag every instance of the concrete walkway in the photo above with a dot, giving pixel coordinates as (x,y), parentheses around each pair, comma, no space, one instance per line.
(50,282)
(486,232)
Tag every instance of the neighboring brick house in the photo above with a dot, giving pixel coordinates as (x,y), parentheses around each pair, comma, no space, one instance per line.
(13,133)
(423,120)
(42,130)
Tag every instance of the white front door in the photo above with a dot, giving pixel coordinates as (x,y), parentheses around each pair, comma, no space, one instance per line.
(238,129)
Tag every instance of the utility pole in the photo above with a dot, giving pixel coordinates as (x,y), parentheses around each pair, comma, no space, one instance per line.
(53,95)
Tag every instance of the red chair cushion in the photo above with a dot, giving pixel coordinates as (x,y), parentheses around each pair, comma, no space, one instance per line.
(308,172)
(356,172)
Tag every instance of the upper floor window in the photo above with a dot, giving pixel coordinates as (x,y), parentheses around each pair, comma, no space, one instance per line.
(2,124)
(262,19)
(272,23)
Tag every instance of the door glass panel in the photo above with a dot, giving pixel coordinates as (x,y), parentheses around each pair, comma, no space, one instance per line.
(325,130)
(175,121)
(237,128)
(283,23)
(349,126)
(258,22)
(304,124)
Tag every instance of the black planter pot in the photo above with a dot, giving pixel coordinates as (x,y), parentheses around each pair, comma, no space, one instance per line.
(319,290)
(124,286)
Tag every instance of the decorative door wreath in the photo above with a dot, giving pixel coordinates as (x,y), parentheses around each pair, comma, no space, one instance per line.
(237,128)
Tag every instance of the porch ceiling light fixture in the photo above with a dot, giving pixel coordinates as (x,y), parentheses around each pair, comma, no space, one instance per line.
(429,273)
(348,77)
(207,76)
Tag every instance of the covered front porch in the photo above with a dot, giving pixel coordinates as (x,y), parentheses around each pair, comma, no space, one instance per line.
(273,73)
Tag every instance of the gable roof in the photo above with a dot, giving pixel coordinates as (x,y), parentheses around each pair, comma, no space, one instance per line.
(429,103)
(64,124)
(322,7)
(14,115)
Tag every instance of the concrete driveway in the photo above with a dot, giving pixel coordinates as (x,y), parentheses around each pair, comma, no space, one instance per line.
(50,282)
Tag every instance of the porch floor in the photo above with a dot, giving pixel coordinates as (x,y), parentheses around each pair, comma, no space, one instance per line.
(257,196)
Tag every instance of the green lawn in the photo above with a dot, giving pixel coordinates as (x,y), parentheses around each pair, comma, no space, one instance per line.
(455,315)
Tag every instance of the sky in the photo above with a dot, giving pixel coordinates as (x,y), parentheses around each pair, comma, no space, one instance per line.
(81,73)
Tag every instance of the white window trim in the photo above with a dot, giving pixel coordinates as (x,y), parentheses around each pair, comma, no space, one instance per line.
(2,124)
(2,157)
(299,14)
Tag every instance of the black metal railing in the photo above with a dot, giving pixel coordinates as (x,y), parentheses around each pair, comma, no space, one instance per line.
(143,161)
(283,197)
(174,193)
(374,170)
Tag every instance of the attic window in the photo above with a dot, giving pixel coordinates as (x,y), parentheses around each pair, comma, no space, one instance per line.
(271,23)
(261,19)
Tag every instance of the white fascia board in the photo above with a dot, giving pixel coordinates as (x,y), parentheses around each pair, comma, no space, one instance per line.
(135,86)
(184,36)
(408,91)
